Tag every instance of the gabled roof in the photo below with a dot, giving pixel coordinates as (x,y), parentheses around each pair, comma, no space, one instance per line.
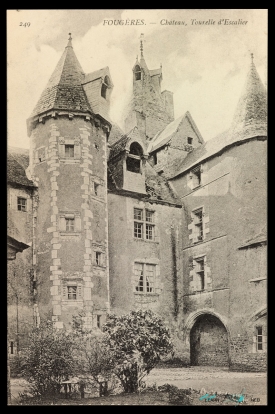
(17,162)
(162,138)
(121,144)
(249,121)
(64,89)
(97,74)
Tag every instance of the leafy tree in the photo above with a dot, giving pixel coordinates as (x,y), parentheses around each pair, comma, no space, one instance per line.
(138,341)
(48,359)
(93,357)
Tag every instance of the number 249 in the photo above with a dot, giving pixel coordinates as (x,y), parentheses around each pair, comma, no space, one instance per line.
(25,24)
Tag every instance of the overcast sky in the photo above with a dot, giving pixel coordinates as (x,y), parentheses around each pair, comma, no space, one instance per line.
(205,66)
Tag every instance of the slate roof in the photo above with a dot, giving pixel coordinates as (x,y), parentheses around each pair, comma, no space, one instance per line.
(115,134)
(100,73)
(250,120)
(17,162)
(64,89)
(118,146)
(154,72)
(163,137)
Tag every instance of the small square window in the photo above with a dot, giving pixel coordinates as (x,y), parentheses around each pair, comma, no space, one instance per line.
(21,204)
(189,140)
(72,292)
(69,224)
(69,151)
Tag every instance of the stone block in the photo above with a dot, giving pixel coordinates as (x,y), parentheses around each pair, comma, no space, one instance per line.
(54,254)
(57,309)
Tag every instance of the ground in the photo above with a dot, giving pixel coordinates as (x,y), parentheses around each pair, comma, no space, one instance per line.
(204,379)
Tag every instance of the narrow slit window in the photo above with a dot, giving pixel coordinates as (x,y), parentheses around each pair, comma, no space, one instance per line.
(259,338)
(98,258)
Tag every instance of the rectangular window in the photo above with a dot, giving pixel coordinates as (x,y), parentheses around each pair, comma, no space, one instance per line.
(142,221)
(198,222)
(69,151)
(69,224)
(196,177)
(71,292)
(259,338)
(200,274)
(138,214)
(98,317)
(11,347)
(21,204)
(98,258)
(145,277)
(189,140)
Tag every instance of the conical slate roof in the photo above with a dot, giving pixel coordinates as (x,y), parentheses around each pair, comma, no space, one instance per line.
(250,118)
(64,89)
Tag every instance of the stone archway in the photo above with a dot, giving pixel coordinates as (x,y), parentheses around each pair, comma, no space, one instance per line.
(209,342)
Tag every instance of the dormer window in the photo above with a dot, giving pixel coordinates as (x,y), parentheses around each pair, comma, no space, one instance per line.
(137,73)
(133,159)
(104,87)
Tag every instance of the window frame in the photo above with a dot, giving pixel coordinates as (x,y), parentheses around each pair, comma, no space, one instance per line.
(69,227)
(150,288)
(200,272)
(259,343)
(19,198)
(198,224)
(69,147)
(143,226)
(196,172)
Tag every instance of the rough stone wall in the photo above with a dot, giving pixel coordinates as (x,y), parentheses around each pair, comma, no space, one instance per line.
(66,188)
(209,342)
(233,197)
(125,250)
(152,113)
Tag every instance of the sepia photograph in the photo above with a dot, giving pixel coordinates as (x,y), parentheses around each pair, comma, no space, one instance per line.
(137,207)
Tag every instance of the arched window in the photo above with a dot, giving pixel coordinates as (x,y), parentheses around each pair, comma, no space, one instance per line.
(104,87)
(133,159)
(137,72)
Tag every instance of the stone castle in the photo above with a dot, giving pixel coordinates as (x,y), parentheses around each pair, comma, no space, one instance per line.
(153,217)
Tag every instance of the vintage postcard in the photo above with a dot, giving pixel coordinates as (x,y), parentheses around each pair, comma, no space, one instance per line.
(137,207)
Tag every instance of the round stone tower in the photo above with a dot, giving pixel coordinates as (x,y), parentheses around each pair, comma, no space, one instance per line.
(68,130)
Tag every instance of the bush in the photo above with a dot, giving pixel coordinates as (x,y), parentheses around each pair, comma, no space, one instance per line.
(137,340)
(48,360)
(15,366)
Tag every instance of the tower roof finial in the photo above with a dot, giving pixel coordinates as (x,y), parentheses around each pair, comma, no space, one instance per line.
(141,44)
(69,41)
(252,57)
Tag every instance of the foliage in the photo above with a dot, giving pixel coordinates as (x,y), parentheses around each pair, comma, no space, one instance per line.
(137,340)
(15,366)
(94,360)
(177,395)
(48,360)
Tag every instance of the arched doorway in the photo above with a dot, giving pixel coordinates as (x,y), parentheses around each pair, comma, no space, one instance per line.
(209,342)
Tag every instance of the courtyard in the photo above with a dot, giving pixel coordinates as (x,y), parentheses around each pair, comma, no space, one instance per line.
(204,378)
